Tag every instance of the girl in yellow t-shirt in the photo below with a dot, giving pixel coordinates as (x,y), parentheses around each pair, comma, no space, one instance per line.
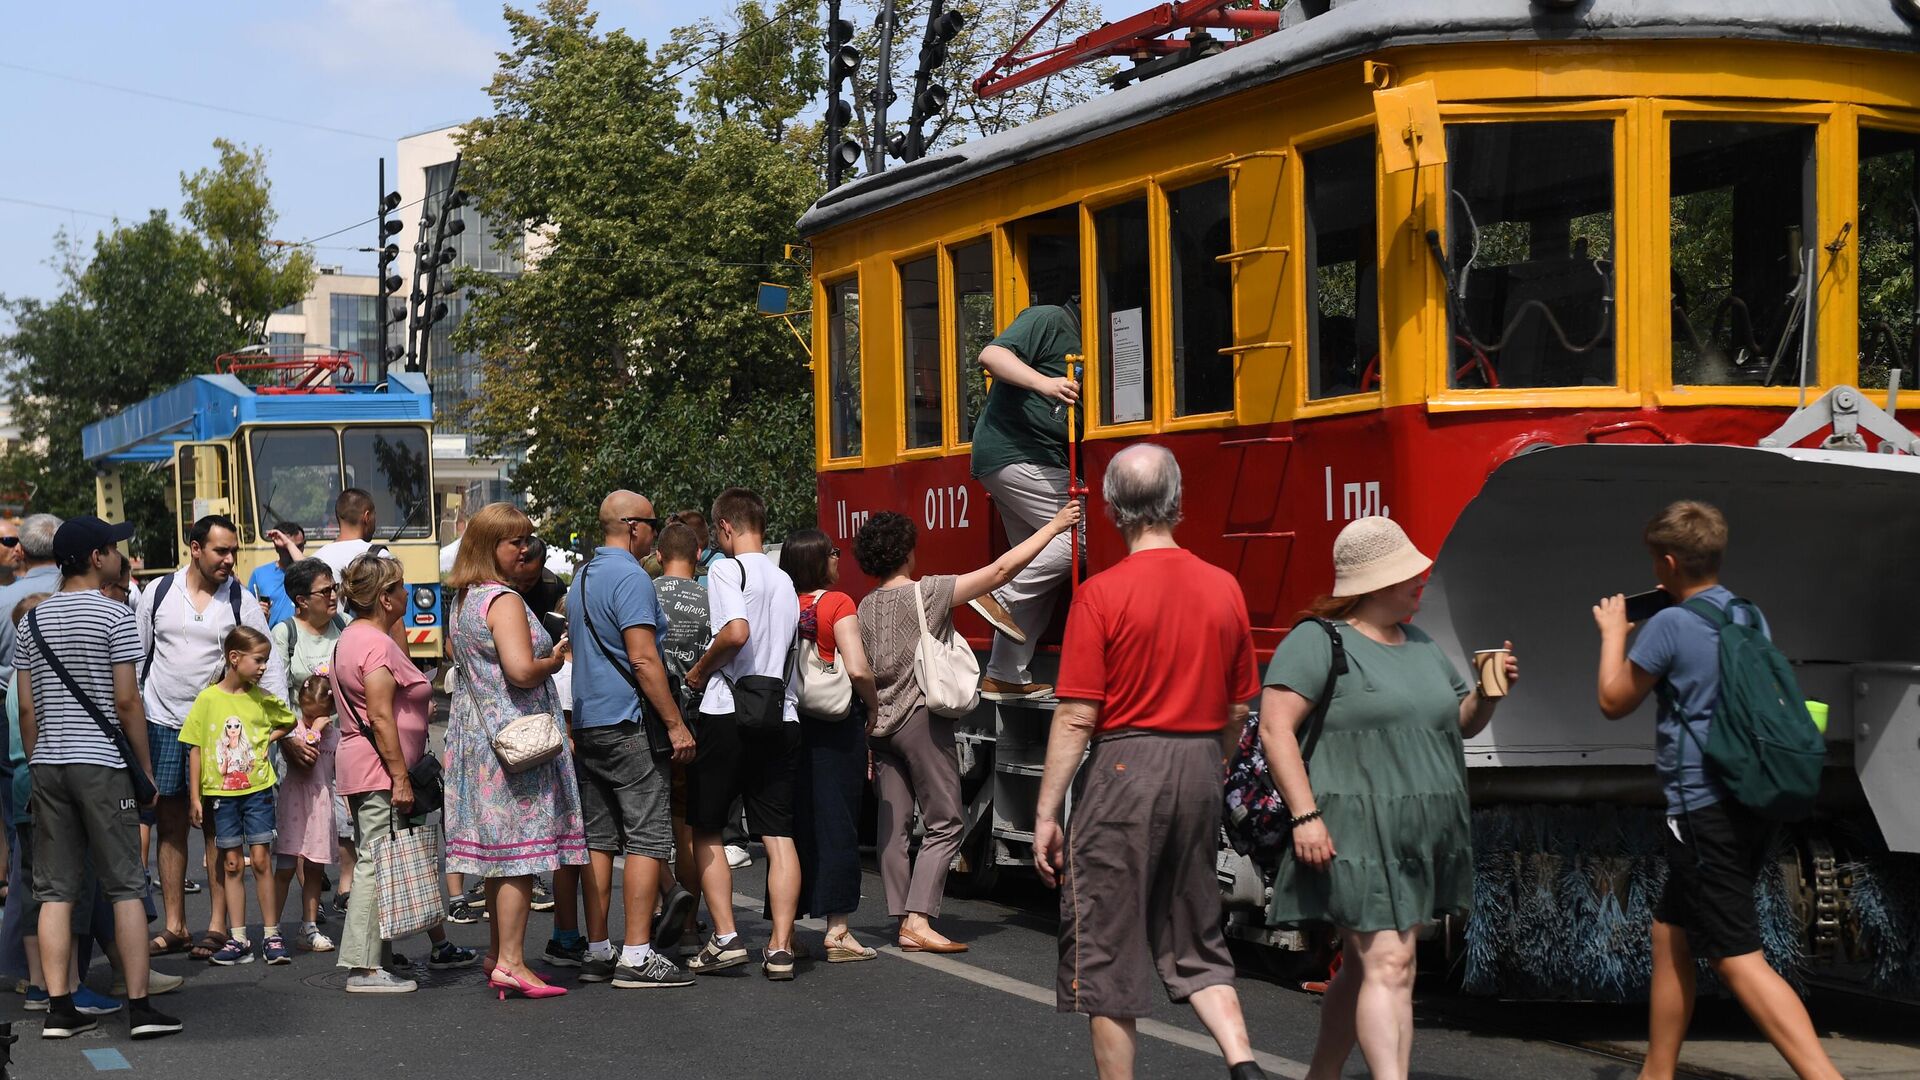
(228,731)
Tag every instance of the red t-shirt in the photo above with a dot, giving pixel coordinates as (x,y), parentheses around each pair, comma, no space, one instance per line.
(1161,642)
(828,609)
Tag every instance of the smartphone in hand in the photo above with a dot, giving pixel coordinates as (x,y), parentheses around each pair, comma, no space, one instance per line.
(1644,606)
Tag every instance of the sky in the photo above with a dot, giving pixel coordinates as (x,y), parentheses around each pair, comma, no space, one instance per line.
(371,70)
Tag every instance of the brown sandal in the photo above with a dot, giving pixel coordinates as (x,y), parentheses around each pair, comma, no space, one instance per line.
(206,945)
(167,943)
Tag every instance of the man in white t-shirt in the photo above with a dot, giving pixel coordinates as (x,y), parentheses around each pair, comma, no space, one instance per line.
(754,614)
(183,621)
(354,509)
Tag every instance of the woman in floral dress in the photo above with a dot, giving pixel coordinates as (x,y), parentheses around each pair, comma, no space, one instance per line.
(504,827)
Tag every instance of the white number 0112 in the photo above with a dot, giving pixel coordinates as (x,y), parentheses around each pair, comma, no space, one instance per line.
(947,507)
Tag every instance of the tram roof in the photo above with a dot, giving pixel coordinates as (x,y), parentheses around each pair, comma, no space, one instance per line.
(215,406)
(1359,28)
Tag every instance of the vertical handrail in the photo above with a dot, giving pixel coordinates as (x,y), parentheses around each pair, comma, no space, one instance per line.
(1076,486)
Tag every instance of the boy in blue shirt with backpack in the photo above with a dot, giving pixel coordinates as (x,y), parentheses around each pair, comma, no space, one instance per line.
(1716,847)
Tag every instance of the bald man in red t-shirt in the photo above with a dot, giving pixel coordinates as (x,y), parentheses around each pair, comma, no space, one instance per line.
(1156,671)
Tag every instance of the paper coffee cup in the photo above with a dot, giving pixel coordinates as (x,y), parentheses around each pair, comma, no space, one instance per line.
(1490,668)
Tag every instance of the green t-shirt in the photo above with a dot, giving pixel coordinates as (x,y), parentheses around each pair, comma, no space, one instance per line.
(233,732)
(1018,427)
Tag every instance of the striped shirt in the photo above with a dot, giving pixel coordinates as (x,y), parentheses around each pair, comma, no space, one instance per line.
(90,634)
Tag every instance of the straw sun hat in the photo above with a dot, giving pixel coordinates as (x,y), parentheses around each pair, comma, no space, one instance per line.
(1372,553)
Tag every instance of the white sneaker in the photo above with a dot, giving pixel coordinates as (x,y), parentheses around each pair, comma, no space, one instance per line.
(158,982)
(381,981)
(738,857)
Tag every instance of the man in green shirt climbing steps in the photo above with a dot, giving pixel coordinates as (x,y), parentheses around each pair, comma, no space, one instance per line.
(1020,457)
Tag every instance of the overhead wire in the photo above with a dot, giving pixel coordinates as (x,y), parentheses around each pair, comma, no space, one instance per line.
(135,91)
(56,206)
(667,79)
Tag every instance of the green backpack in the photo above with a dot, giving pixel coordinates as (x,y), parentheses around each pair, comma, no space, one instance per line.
(1763,745)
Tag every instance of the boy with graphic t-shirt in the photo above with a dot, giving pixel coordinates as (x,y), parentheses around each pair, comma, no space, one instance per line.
(1716,848)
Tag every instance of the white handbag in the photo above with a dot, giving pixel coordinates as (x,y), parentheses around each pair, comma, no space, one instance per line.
(948,672)
(826,691)
(528,742)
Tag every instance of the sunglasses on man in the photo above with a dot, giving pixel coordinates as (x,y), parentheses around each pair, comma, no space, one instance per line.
(9,541)
(650,522)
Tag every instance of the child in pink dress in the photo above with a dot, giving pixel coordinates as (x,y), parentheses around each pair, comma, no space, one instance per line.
(306,840)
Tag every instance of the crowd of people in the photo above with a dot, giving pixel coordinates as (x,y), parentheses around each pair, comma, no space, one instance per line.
(684,679)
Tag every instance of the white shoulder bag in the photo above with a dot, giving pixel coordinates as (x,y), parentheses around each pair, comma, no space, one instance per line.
(948,672)
(826,691)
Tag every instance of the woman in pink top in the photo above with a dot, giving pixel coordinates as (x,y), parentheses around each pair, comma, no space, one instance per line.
(378,690)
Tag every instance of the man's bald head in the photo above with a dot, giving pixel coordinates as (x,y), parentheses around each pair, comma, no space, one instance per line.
(619,512)
(1142,488)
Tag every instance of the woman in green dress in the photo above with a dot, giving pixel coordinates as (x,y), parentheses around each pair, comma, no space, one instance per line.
(1381,839)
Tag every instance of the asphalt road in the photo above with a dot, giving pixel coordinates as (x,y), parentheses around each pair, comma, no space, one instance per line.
(989,1012)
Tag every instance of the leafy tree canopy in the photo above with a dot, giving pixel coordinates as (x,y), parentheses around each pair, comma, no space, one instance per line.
(629,352)
(149,305)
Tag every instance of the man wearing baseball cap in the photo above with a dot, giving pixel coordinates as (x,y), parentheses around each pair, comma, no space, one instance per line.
(84,730)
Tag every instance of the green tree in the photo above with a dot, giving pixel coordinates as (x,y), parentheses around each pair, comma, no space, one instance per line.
(231,207)
(991,28)
(149,305)
(629,352)
(130,320)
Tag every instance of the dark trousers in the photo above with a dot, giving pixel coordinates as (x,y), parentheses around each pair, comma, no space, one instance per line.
(826,811)
(22,915)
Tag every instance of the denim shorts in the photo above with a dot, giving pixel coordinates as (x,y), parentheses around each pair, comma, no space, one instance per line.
(625,793)
(243,820)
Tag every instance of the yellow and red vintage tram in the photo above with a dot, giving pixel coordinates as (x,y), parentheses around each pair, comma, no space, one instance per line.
(1515,274)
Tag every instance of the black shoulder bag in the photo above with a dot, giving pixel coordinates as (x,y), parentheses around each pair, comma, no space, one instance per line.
(429,793)
(143,790)
(658,741)
(759,701)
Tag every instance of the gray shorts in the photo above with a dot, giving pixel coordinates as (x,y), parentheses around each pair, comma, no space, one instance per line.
(1139,895)
(625,795)
(84,817)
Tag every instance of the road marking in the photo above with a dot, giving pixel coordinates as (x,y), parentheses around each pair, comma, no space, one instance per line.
(1272,1064)
(106,1060)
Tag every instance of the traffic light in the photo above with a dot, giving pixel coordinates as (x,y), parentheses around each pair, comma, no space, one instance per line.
(390,282)
(929,98)
(843,61)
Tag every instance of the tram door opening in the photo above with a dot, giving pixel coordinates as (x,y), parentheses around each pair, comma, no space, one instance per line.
(1047,250)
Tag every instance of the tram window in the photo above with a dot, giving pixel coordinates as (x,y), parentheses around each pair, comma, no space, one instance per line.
(1202,298)
(296,475)
(920,351)
(843,369)
(1530,254)
(1741,218)
(1889,257)
(1343,271)
(1126,313)
(390,464)
(973,329)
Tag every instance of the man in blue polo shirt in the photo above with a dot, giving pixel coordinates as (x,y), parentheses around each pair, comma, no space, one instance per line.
(614,620)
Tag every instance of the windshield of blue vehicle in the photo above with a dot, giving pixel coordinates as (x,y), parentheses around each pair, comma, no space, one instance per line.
(298,472)
(296,476)
(391,464)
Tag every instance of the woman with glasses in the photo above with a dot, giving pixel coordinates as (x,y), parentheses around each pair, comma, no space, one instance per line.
(505,827)
(833,770)
(305,844)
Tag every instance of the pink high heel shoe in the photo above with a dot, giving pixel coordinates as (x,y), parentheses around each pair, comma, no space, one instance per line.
(503,981)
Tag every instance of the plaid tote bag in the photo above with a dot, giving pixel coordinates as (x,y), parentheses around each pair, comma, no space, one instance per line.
(413,897)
